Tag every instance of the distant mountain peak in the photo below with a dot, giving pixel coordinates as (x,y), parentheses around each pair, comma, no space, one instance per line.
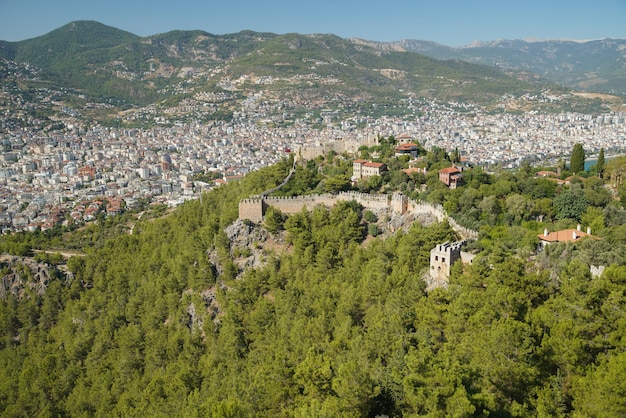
(109,62)
(580,64)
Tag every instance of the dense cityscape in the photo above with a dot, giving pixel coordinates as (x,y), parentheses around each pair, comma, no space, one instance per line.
(72,174)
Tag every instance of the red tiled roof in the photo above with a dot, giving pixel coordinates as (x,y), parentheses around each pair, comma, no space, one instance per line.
(413,170)
(450,170)
(408,145)
(566,235)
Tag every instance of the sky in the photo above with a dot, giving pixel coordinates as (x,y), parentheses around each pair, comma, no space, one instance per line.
(448,22)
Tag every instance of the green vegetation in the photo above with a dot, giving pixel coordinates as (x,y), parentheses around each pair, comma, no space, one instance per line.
(577,160)
(600,164)
(168,321)
(322,313)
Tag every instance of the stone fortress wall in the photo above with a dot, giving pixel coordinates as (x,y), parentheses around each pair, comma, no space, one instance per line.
(421,207)
(254,208)
(442,256)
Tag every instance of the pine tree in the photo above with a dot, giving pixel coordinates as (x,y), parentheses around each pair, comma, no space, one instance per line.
(577,160)
(456,156)
(600,163)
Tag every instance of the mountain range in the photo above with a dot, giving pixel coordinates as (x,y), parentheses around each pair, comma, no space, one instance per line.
(596,65)
(177,67)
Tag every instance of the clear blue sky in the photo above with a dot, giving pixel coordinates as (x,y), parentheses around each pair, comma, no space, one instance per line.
(449,22)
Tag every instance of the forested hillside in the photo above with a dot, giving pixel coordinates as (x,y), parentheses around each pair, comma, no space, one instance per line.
(167,321)
(176,68)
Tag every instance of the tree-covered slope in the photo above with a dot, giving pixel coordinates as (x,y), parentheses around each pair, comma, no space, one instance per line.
(170,320)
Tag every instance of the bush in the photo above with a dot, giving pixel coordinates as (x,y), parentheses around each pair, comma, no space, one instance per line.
(373,230)
(370,216)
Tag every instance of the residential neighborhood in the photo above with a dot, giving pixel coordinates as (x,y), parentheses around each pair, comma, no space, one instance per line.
(50,177)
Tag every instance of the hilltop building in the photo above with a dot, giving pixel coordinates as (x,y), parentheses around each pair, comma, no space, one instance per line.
(405,138)
(409,148)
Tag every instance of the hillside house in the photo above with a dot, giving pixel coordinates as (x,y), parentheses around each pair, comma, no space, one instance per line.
(410,149)
(363,169)
(451,177)
(565,235)
(413,170)
(404,138)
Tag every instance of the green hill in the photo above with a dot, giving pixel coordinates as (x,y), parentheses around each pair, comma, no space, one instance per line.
(172,320)
(107,62)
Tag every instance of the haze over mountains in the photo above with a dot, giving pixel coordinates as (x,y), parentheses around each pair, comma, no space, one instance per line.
(105,62)
(597,65)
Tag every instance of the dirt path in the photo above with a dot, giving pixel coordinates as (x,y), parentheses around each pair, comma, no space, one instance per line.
(64,253)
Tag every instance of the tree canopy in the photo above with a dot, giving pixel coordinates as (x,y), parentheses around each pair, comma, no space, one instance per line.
(600,163)
(316,317)
(577,159)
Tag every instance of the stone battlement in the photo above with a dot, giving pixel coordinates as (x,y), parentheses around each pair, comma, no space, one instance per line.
(253,208)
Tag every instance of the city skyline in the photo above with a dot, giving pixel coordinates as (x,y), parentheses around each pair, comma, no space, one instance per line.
(449,22)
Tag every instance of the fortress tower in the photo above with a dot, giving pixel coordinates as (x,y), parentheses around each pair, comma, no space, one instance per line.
(399,203)
(252,208)
(442,257)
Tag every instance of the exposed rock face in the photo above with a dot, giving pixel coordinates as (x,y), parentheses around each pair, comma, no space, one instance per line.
(248,242)
(245,234)
(249,245)
(20,274)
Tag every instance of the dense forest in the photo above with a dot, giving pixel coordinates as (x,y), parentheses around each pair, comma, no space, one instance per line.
(332,320)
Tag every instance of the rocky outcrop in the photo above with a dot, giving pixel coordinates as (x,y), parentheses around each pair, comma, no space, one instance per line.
(20,274)
(249,246)
(249,243)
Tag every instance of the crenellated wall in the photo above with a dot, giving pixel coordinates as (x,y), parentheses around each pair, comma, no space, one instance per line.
(254,208)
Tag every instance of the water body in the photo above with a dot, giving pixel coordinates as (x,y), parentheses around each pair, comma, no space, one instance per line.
(593,161)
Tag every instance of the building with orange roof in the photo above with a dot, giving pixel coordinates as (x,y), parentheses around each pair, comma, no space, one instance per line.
(362,169)
(546,173)
(565,235)
(451,176)
(407,149)
(413,170)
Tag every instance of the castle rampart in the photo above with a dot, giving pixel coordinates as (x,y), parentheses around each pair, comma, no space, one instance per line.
(254,208)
